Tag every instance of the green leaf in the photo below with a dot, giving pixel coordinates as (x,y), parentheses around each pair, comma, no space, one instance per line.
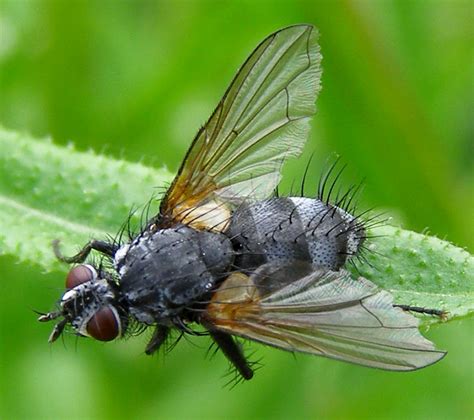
(50,192)
(421,270)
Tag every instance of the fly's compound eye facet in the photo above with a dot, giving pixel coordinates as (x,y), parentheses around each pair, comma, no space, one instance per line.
(105,324)
(80,274)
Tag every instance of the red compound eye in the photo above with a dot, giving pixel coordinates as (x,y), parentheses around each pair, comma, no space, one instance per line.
(104,325)
(80,274)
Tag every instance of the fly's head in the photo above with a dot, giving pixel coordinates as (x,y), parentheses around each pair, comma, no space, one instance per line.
(89,305)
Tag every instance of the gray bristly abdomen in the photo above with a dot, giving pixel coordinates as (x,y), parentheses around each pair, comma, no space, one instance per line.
(294,229)
(165,271)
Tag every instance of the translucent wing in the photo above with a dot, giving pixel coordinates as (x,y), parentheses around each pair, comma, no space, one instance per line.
(262,120)
(324,313)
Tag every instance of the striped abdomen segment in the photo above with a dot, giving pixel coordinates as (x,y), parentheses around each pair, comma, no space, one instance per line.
(294,229)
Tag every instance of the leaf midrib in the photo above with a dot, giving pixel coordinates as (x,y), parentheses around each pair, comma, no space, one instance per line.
(41,214)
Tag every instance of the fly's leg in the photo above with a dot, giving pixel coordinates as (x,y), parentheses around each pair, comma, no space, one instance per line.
(233,352)
(159,337)
(101,246)
(427,311)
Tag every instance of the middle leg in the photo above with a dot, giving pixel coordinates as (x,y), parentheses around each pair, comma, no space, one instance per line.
(233,352)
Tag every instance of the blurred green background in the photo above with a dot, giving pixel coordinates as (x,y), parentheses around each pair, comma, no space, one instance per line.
(135,80)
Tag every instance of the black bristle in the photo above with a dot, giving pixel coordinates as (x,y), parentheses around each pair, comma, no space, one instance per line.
(305,174)
(325,178)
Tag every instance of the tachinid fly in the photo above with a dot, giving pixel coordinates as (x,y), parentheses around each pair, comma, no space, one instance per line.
(225,253)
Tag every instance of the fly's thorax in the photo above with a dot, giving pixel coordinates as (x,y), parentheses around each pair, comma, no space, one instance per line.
(291,229)
(165,271)
(119,259)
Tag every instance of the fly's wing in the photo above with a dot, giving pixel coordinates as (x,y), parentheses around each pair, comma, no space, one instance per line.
(262,120)
(324,313)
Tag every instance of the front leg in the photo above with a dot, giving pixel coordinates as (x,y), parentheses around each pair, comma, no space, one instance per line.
(101,246)
(159,337)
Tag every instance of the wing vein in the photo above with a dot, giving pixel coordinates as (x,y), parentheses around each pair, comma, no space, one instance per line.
(251,99)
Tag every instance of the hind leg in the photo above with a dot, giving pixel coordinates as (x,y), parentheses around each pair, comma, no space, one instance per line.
(427,311)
